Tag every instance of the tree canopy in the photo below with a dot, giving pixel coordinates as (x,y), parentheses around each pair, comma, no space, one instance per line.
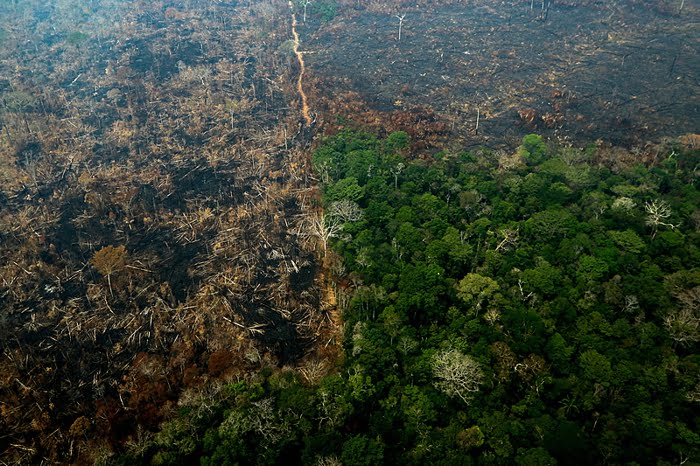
(542,314)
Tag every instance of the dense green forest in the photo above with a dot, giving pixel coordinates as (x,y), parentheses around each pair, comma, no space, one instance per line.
(534,308)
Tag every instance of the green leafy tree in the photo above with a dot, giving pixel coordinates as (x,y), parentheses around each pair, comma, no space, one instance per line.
(470,438)
(533,149)
(559,352)
(362,451)
(591,270)
(596,367)
(460,251)
(345,189)
(628,241)
(475,290)
(396,141)
(420,290)
(417,409)
(534,457)
(544,278)
(550,225)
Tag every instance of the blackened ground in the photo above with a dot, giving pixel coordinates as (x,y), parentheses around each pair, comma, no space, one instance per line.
(616,72)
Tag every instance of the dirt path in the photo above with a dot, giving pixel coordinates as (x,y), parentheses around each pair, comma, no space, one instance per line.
(300,57)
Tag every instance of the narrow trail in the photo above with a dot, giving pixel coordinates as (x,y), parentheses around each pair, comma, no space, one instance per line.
(300,57)
(334,336)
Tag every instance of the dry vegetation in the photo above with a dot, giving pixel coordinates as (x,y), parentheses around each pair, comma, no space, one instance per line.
(154,199)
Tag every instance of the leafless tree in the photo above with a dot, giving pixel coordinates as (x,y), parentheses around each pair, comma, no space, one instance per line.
(658,212)
(328,461)
(324,227)
(305,4)
(631,304)
(332,410)
(478,117)
(694,394)
(400,17)
(314,370)
(683,325)
(396,171)
(508,239)
(407,344)
(346,211)
(458,374)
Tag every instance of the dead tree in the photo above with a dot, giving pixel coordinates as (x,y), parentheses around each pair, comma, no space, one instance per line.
(346,211)
(109,260)
(396,171)
(683,325)
(305,5)
(508,239)
(400,17)
(458,374)
(325,227)
(657,214)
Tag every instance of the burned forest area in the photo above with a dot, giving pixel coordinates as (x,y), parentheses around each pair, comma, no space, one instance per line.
(155,205)
(174,244)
